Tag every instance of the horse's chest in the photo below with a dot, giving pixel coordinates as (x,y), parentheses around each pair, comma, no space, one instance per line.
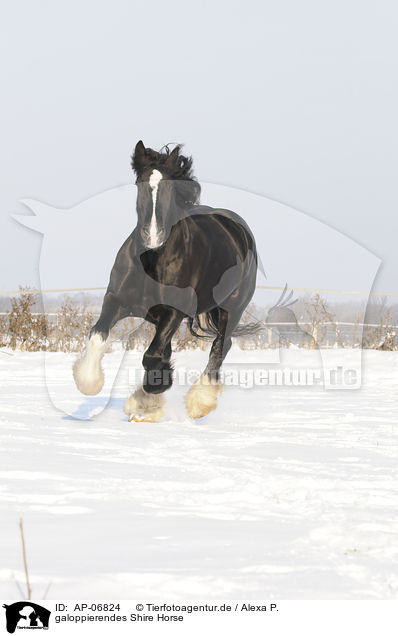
(165,269)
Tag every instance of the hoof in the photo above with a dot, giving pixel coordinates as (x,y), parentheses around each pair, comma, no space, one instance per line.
(202,397)
(144,407)
(155,417)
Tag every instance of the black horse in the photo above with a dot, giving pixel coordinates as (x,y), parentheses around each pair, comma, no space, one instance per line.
(182,261)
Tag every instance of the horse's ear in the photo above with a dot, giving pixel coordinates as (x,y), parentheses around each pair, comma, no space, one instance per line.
(172,160)
(139,157)
(173,155)
(140,148)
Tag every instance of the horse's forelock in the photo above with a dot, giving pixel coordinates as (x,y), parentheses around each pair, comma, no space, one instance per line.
(174,164)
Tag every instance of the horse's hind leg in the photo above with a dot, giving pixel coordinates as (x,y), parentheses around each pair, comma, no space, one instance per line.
(87,370)
(146,403)
(203,395)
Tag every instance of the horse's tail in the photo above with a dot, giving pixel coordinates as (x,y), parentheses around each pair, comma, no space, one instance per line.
(208,324)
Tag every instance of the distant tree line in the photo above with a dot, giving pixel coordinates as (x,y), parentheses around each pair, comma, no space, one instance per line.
(309,323)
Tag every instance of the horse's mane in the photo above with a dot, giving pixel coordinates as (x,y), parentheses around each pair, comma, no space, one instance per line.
(172,163)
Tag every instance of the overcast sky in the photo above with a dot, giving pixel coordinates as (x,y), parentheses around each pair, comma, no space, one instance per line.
(296,101)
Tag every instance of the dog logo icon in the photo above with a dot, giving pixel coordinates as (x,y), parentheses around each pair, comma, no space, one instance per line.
(26,615)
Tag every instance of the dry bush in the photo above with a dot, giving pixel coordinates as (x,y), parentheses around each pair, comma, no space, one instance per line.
(3,331)
(135,333)
(263,339)
(26,331)
(390,341)
(183,339)
(318,314)
(72,326)
(128,332)
(381,337)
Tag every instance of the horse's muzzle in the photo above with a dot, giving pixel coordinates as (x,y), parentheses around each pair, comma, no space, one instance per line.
(151,241)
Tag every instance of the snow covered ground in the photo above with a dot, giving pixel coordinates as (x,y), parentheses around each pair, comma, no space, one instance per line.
(283,492)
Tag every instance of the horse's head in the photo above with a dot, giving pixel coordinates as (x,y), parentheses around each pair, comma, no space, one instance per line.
(166,190)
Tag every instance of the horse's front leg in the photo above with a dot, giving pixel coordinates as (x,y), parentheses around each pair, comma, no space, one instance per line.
(146,403)
(87,370)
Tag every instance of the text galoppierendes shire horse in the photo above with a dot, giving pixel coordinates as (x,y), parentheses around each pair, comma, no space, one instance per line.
(182,261)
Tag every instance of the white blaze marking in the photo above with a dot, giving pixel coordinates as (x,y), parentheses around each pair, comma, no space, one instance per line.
(154,181)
